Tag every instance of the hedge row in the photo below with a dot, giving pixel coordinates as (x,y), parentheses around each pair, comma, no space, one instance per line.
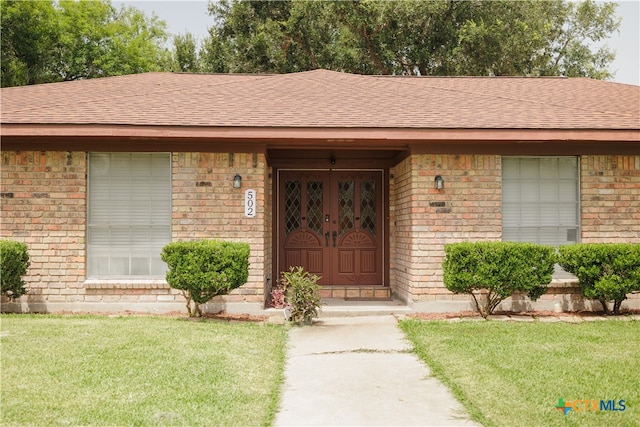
(493,271)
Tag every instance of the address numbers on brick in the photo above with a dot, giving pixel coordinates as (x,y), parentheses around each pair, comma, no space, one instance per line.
(250,203)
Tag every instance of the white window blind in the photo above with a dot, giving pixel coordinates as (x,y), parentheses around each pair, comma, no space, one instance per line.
(540,200)
(129,214)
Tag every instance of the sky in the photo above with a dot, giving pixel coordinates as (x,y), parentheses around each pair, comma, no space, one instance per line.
(192,16)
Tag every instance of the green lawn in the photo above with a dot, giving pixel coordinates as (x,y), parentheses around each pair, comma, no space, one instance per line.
(93,370)
(512,374)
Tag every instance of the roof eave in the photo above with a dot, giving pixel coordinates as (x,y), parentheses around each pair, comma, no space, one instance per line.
(271,135)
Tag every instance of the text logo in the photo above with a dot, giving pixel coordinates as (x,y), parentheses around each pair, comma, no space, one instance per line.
(590,405)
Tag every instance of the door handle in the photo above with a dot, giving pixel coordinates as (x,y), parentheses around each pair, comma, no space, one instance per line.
(335,236)
(326,239)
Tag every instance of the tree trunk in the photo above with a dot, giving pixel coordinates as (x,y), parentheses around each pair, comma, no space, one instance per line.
(479,309)
(604,306)
(492,302)
(187,297)
(616,306)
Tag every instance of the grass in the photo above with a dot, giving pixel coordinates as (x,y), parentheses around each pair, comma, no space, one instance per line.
(116,371)
(512,374)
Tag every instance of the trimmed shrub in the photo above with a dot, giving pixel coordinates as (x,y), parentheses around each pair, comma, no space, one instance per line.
(607,272)
(205,269)
(302,295)
(493,271)
(14,261)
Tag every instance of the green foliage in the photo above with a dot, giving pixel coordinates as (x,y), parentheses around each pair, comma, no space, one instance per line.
(185,53)
(606,271)
(303,294)
(14,261)
(497,269)
(205,269)
(46,41)
(411,37)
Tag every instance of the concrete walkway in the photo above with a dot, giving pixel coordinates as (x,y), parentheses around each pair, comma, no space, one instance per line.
(358,371)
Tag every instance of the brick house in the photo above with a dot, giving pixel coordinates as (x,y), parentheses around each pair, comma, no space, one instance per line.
(360,179)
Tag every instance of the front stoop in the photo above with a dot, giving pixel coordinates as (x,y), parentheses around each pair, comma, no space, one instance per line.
(340,307)
(357,293)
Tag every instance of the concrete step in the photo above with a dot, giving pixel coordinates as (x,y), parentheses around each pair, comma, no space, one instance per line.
(340,307)
(360,292)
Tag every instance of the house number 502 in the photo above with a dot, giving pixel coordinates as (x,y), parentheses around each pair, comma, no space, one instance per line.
(250,203)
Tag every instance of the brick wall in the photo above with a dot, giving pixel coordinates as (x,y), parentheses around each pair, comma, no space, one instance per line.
(206,206)
(425,219)
(43,197)
(610,198)
(44,204)
(610,203)
(400,190)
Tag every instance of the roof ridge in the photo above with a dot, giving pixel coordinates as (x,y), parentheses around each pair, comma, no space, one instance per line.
(474,77)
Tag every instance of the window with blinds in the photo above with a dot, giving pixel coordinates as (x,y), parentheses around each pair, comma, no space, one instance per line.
(129,214)
(540,200)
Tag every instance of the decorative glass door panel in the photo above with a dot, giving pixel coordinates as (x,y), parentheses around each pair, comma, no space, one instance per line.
(301,219)
(357,257)
(330,224)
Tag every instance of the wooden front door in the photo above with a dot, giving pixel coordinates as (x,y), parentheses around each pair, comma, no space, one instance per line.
(330,223)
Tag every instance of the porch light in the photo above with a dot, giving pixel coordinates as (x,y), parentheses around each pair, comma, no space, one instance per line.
(439,182)
(237,181)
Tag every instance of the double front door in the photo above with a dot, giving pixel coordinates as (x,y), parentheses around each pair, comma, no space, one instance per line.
(331,223)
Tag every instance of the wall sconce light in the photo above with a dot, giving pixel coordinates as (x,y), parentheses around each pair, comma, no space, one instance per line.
(439,182)
(237,181)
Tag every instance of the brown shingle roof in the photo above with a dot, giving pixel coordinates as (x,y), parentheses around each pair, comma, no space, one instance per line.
(327,99)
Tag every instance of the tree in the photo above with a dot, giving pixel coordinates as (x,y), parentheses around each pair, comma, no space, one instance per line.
(46,41)
(28,33)
(185,53)
(538,38)
(411,37)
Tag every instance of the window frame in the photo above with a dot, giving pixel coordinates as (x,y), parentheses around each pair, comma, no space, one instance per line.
(578,208)
(91,275)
